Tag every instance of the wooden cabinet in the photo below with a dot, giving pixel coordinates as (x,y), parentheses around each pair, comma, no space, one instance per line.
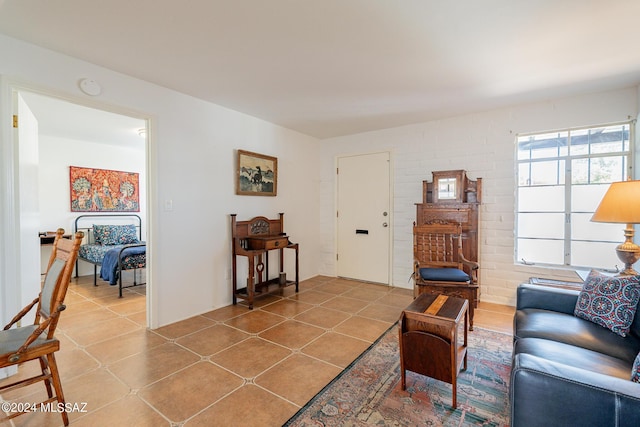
(452,197)
(254,239)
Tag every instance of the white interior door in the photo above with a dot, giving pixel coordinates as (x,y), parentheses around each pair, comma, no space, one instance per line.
(364,217)
(29,201)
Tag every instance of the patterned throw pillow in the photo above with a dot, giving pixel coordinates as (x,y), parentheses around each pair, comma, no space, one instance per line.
(609,301)
(115,234)
(635,371)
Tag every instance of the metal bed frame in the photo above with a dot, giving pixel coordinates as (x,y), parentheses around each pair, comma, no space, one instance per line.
(119,219)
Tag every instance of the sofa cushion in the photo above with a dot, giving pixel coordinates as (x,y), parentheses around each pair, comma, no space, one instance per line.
(609,301)
(568,329)
(635,370)
(574,356)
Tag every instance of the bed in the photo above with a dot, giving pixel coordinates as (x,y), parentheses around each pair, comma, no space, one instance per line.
(113,242)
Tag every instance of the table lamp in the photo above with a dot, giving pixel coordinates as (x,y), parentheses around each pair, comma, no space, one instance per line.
(621,204)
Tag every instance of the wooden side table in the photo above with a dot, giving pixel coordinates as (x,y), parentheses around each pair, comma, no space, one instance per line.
(429,338)
(460,290)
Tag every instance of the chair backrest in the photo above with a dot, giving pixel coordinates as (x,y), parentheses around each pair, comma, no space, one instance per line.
(56,282)
(438,244)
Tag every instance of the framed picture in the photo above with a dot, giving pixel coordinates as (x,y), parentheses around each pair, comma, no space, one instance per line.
(257,174)
(102,190)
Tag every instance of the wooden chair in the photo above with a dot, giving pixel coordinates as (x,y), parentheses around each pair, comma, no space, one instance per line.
(440,266)
(36,341)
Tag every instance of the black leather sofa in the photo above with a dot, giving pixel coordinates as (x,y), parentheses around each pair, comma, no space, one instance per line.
(568,371)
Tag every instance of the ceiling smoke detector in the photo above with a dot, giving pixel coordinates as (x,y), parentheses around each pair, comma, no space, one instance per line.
(90,87)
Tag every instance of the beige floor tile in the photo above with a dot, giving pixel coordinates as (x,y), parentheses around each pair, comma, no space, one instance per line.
(249,406)
(348,282)
(291,379)
(37,419)
(400,300)
(498,308)
(348,305)
(337,349)
(75,362)
(145,368)
(316,280)
(184,327)
(255,321)
(292,334)
(285,291)
(261,299)
(322,317)
(500,322)
(334,287)
(312,297)
(287,308)
(114,349)
(309,284)
(81,393)
(111,299)
(69,320)
(191,390)
(103,292)
(225,313)
(79,307)
(139,318)
(212,339)
(363,328)
(93,391)
(367,292)
(84,335)
(128,411)
(385,313)
(130,306)
(250,357)
(25,370)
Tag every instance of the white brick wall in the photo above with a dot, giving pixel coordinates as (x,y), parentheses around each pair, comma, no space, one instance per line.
(483,145)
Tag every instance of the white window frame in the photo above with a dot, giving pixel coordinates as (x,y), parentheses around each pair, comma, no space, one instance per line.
(568,187)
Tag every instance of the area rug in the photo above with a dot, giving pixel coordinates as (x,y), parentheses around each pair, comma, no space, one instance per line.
(368,392)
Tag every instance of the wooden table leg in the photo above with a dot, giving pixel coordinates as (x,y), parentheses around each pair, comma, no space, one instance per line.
(403,376)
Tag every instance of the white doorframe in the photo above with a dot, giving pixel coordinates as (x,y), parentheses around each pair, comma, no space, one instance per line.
(391,207)
(9,217)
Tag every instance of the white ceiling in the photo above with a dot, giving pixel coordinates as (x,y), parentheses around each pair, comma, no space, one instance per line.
(336,67)
(72,121)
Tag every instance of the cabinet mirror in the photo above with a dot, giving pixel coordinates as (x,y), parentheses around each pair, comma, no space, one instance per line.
(447,188)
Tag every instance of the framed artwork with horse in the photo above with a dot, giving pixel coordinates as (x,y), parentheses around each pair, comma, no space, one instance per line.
(257,174)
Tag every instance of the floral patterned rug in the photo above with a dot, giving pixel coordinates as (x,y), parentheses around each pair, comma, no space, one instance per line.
(368,392)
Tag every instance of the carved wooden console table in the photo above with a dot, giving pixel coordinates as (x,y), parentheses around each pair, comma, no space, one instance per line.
(254,239)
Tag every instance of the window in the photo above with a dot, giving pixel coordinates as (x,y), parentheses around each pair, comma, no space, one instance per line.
(562,177)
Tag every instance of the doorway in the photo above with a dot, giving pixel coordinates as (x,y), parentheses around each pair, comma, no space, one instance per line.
(71,134)
(364,217)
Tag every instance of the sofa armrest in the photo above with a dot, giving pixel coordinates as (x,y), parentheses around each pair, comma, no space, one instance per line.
(546,298)
(545,393)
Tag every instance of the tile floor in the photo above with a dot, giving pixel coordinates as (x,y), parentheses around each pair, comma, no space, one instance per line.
(231,366)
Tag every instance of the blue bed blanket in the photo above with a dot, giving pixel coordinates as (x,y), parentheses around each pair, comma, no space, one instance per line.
(109,268)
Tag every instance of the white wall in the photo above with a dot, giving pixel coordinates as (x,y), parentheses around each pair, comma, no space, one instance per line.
(56,154)
(484,145)
(191,162)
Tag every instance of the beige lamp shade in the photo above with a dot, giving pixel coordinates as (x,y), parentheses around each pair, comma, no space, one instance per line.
(620,204)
